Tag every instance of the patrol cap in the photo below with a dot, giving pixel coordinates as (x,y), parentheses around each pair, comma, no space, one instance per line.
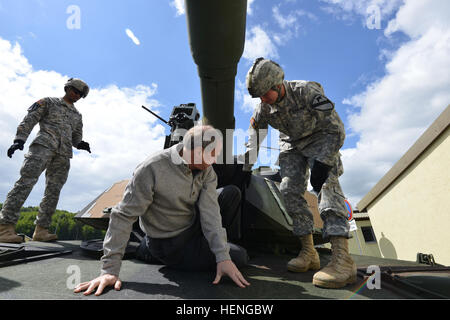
(78,84)
(262,76)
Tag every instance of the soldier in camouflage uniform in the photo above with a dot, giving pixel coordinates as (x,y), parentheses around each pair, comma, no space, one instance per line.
(311,134)
(60,128)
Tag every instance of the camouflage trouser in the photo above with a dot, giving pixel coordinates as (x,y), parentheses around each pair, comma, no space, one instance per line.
(294,170)
(38,159)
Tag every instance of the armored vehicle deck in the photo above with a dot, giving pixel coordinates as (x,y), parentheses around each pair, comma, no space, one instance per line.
(53,276)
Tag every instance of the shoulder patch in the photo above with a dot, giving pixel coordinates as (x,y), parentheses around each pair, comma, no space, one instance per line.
(36,105)
(322,103)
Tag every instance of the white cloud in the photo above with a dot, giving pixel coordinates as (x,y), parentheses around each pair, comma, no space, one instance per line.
(291,20)
(289,23)
(360,6)
(284,22)
(131,35)
(396,109)
(243,98)
(120,133)
(179,6)
(259,44)
(249,7)
(347,10)
(417,17)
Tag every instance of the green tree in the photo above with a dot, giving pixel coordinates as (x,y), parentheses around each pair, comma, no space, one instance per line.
(63,224)
(25,224)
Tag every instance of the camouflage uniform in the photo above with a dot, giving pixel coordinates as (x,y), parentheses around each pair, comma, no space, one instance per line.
(60,128)
(308,132)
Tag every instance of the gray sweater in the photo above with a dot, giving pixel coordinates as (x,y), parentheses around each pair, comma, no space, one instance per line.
(162,194)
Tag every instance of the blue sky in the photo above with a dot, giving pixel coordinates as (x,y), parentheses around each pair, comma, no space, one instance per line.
(323,49)
(100,50)
(362,70)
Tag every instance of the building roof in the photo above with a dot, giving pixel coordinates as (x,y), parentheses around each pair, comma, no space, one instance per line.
(361,215)
(108,198)
(427,138)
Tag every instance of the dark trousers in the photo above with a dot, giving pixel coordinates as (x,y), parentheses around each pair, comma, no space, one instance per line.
(190,249)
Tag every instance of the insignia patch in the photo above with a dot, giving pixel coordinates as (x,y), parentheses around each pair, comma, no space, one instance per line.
(34,107)
(253,123)
(322,103)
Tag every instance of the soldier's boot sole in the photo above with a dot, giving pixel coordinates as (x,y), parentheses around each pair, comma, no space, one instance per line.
(341,270)
(313,265)
(45,239)
(333,284)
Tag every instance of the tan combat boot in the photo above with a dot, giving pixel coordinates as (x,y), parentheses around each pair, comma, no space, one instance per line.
(308,258)
(42,234)
(8,234)
(341,270)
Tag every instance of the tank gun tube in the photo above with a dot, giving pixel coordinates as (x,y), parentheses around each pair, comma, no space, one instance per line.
(217,35)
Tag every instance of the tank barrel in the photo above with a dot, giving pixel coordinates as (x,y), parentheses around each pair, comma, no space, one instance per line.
(216,31)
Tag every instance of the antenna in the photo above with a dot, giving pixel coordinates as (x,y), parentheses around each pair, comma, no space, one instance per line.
(156,115)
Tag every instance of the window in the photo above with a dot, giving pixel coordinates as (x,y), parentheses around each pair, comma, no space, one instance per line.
(368,234)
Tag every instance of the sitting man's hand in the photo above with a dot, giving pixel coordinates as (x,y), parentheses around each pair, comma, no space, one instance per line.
(100,282)
(83,145)
(18,145)
(227,267)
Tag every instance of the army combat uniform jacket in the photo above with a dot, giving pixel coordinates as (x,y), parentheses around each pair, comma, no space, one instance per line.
(60,128)
(61,125)
(310,130)
(306,120)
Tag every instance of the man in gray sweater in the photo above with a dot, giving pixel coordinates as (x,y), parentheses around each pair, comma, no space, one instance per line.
(173,193)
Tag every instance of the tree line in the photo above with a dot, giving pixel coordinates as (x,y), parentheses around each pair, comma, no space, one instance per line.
(63,224)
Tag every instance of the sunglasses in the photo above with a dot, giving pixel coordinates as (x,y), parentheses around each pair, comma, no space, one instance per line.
(77,91)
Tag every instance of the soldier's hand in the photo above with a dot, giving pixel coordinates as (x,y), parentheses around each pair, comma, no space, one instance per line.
(101,282)
(319,174)
(18,145)
(228,268)
(83,145)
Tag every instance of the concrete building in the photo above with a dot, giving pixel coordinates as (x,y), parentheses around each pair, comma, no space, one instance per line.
(364,241)
(409,207)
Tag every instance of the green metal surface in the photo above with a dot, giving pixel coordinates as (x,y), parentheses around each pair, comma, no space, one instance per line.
(54,279)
